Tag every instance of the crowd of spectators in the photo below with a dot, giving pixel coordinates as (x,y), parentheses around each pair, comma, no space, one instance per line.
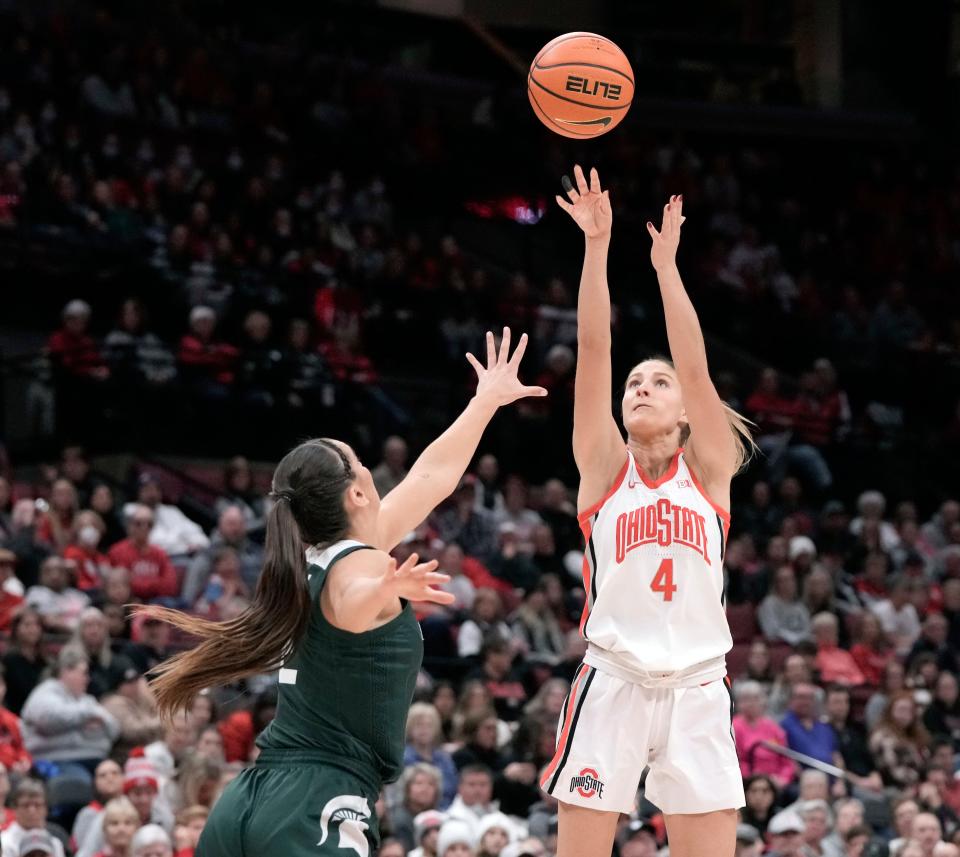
(265,280)
(846,626)
(277,261)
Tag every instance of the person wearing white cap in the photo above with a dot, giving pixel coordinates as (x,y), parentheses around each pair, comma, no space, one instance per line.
(786,831)
(529,847)
(141,782)
(802,546)
(207,364)
(456,839)
(35,843)
(426,832)
(494,832)
(151,840)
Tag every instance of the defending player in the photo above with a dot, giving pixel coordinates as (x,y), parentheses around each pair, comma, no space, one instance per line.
(652,688)
(350,645)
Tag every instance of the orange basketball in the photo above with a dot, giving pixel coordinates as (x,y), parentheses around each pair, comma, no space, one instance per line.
(580,85)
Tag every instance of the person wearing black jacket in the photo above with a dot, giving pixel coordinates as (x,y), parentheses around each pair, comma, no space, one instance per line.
(942,716)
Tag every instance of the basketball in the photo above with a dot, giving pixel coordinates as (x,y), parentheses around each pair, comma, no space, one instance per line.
(580,85)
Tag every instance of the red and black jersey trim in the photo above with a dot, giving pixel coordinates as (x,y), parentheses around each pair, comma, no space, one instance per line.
(568,743)
(729,687)
(723,553)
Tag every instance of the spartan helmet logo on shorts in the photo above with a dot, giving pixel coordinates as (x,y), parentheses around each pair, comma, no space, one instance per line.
(350,811)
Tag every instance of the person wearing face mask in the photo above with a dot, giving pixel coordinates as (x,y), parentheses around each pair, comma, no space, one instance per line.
(85,551)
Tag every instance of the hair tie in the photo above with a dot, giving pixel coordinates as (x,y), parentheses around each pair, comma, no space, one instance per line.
(283,495)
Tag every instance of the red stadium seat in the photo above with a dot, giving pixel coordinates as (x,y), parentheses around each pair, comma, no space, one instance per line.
(779,652)
(852,623)
(743,622)
(859,696)
(737,659)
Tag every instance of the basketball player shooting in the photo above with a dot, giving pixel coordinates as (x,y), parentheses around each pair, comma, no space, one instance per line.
(652,688)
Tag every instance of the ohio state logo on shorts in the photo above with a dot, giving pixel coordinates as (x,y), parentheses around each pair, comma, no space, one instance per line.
(587,784)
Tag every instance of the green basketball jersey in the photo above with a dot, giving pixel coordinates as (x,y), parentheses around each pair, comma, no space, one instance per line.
(346,695)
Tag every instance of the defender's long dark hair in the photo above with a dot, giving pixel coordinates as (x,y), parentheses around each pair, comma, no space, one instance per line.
(308,487)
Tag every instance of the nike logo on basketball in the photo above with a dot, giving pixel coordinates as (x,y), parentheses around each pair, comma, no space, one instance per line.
(604,121)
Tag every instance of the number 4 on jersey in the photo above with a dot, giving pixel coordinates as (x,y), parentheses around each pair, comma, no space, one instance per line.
(663,581)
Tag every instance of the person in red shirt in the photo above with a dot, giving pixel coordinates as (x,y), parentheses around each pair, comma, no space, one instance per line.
(11,589)
(768,407)
(72,349)
(152,575)
(207,364)
(345,359)
(815,416)
(240,729)
(871,652)
(13,755)
(85,552)
(835,665)
(751,728)
(779,434)
(56,527)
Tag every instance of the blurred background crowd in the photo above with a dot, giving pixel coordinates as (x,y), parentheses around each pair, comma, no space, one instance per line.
(222,231)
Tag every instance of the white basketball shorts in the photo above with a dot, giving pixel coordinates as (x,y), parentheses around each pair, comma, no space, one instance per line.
(611,729)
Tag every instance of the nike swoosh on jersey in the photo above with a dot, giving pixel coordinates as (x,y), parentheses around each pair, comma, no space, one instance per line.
(605,120)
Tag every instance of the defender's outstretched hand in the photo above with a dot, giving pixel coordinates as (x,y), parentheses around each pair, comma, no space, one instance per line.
(663,253)
(415,582)
(589,206)
(497,381)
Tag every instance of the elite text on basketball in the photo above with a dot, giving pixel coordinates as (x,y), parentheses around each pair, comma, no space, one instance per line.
(610,91)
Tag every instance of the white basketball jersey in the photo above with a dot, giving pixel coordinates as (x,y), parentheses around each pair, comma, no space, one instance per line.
(653,575)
